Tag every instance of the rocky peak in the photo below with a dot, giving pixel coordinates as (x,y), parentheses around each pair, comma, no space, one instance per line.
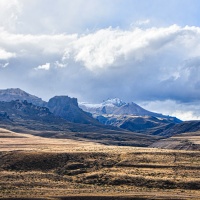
(68,109)
(11,94)
(62,101)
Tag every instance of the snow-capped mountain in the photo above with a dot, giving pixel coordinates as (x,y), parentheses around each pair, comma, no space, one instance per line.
(117,107)
(114,102)
(106,107)
(129,116)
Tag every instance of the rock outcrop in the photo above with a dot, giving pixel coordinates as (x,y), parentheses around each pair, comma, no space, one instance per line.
(67,108)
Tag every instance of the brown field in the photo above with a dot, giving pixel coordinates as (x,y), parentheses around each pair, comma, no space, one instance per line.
(32,167)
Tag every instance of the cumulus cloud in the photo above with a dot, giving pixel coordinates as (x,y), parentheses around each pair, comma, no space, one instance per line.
(106,47)
(24,44)
(5,55)
(141,57)
(136,64)
(43,67)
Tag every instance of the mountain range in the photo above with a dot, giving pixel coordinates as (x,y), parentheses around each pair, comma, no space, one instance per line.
(128,116)
(25,117)
(62,106)
(111,122)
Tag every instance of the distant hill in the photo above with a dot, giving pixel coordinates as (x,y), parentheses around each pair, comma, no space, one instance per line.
(183,141)
(183,136)
(184,127)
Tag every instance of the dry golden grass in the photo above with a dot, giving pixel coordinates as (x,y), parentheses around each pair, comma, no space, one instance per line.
(32,166)
(184,141)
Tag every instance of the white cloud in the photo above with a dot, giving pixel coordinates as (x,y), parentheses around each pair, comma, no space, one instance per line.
(9,12)
(26,44)
(43,67)
(183,111)
(60,64)
(142,22)
(136,63)
(186,115)
(139,64)
(34,17)
(109,47)
(5,55)
(4,65)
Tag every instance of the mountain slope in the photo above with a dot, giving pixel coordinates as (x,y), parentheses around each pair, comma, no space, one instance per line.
(184,127)
(18,94)
(24,111)
(4,117)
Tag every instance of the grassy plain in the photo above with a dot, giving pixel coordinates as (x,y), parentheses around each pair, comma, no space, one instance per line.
(32,167)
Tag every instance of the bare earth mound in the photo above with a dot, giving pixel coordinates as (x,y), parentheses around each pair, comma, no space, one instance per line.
(33,167)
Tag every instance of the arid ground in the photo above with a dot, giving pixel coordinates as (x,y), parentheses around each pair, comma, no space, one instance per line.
(32,167)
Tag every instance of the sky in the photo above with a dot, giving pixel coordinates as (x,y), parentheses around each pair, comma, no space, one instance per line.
(143,51)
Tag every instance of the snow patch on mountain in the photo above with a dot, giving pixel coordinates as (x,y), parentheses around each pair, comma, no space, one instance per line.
(115,102)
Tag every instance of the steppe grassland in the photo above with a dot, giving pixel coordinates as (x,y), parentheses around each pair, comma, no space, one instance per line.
(32,166)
